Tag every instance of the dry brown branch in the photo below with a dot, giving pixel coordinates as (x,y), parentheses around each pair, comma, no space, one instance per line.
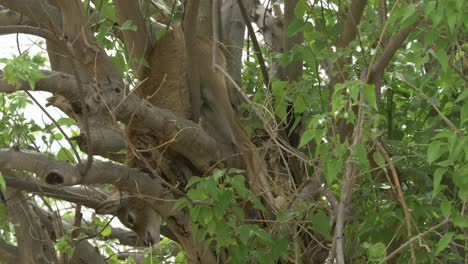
(411,240)
(400,196)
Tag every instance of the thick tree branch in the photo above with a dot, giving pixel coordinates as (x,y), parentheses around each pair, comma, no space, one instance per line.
(40,32)
(34,243)
(84,196)
(10,18)
(353,18)
(391,48)
(104,134)
(9,254)
(179,133)
(350,26)
(41,12)
(54,82)
(82,44)
(233,35)
(84,252)
(126,179)
(294,69)
(190,31)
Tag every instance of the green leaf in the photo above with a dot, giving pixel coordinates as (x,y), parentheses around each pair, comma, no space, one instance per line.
(379,159)
(296,26)
(464,114)
(244,234)
(128,25)
(238,183)
(193,180)
(66,121)
(2,182)
(444,242)
(360,156)
(106,231)
(105,9)
(307,136)
(443,58)
(410,16)
(332,168)
(439,172)
(460,221)
(300,9)
(446,208)
(65,154)
(321,224)
(376,252)
(434,151)
(181,203)
(369,95)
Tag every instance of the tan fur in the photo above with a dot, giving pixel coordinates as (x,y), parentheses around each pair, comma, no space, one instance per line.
(167,86)
(135,214)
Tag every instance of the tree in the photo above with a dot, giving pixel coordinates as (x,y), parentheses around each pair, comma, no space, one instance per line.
(334,132)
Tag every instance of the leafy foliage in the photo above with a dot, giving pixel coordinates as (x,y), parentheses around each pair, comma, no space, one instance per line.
(217,206)
(418,111)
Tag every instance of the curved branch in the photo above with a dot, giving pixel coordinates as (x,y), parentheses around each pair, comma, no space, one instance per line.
(79,195)
(353,18)
(126,179)
(83,196)
(84,252)
(391,48)
(8,253)
(350,27)
(41,12)
(54,82)
(178,133)
(34,243)
(258,51)
(40,32)
(9,17)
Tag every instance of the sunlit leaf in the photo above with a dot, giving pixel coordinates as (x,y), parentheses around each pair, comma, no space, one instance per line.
(444,242)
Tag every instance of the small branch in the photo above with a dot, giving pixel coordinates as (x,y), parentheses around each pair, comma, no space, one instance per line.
(215,31)
(258,51)
(137,42)
(411,240)
(348,181)
(57,125)
(444,118)
(84,110)
(34,243)
(401,198)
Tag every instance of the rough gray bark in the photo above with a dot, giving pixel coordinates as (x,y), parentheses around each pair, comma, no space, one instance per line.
(233,29)
(34,243)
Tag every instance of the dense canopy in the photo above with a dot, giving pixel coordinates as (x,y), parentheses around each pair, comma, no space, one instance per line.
(234,131)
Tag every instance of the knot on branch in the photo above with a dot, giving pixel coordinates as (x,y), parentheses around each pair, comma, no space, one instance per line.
(54,178)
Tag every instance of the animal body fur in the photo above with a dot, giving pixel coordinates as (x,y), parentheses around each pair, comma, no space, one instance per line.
(168,84)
